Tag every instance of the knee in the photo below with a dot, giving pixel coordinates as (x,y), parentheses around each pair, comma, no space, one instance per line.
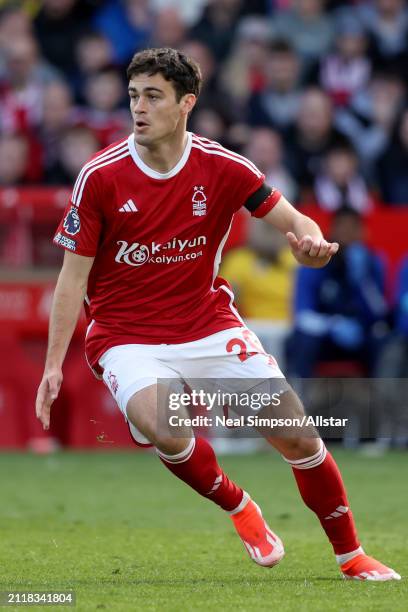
(170,446)
(299,448)
(142,412)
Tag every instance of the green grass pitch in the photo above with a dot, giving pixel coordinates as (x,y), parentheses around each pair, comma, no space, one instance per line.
(126,535)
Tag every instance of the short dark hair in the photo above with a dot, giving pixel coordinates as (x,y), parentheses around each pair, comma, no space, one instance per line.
(281,45)
(347,211)
(340,143)
(182,71)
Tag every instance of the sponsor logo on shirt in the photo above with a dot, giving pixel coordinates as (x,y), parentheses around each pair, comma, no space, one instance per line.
(65,242)
(72,222)
(199,201)
(173,251)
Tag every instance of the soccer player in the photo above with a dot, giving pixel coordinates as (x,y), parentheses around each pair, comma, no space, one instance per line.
(143,235)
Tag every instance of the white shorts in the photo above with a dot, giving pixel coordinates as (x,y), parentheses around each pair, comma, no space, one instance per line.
(234,353)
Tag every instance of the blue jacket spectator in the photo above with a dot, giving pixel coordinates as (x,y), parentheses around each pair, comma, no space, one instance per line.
(392,374)
(337,308)
(126,25)
(402,301)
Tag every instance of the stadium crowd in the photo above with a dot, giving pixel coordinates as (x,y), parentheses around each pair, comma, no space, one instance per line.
(314,92)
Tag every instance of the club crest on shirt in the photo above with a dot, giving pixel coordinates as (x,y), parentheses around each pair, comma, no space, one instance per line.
(72,222)
(199,201)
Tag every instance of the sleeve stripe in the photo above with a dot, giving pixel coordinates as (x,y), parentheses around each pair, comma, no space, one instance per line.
(107,155)
(215,145)
(222,154)
(78,198)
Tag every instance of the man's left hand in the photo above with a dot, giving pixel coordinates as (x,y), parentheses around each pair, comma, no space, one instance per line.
(312,252)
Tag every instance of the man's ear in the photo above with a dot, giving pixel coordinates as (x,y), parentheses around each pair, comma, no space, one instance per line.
(187,103)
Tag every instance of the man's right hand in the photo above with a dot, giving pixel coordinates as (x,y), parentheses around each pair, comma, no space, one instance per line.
(47,393)
(66,304)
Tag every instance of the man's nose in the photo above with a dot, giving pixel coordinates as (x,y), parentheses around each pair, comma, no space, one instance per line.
(140,106)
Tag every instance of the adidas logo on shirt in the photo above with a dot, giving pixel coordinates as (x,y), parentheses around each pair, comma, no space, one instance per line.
(129,206)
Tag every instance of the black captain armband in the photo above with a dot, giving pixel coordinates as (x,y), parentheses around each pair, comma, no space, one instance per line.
(262,200)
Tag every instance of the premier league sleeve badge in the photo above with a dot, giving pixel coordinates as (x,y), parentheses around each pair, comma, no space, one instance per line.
(72,222)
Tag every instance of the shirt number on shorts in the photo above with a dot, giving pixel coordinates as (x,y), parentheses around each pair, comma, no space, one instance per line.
(251,341)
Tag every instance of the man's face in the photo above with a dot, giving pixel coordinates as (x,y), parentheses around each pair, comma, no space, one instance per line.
(347,229)
(155,110)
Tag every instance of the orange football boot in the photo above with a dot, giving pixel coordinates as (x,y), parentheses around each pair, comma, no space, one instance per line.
(263,546)
(363,567)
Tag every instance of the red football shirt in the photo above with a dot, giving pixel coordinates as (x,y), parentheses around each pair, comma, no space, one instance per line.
(157,240)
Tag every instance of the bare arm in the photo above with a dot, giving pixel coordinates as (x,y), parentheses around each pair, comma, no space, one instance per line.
(304,236)
(68,298)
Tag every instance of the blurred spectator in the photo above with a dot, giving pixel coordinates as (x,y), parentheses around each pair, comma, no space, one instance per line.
(22,85)
(394,361)
(14,23)
(370,117)
(202,54)
(105,95)
(59,25)
(251,55)
(402,303)
(278,103)
(208,122)
(127,24)
(392,374)
(213,97)
(243,73)
(169,29)
(104,90)
(58,114)
(264,148)
(309,29)
(260,7)
(392,166)
(217,26)
(24,77)
(387,24)
(14,157)
(76,147)
(340,184)
(346,70)
(340,309)
(262,274)
(190,11)
(310,139)
(94,52)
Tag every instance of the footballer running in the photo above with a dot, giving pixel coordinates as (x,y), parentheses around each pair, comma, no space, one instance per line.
(143,235)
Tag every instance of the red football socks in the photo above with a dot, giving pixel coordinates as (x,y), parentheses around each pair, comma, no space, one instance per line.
(322,489)
(197,465)
(318,479)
